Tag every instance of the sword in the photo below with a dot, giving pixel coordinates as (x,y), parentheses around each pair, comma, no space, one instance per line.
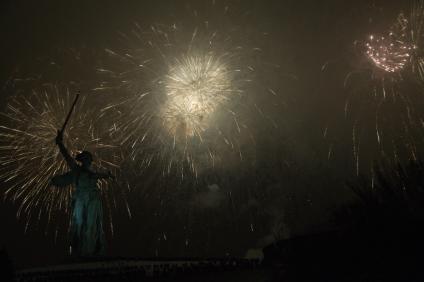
(70,113)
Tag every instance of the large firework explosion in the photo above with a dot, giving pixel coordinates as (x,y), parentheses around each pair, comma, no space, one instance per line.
(381,100)
(30,157)
(185,94)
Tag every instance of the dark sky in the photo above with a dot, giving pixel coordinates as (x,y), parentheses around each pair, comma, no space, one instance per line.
(296,185)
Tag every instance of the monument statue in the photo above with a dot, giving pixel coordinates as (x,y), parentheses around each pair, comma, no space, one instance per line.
(87,236)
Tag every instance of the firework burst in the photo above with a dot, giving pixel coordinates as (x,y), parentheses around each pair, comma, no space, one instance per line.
(29,156)
(400,50)
(186,94)
(196,87)
(389,54)
(391,60)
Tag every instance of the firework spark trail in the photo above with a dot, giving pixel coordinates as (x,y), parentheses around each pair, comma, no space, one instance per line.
(189,94)
(391,59)
(29,157)
(415,33)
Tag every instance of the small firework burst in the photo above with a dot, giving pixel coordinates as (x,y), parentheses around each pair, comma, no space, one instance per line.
(388,53)
(186,94)
(400,50)
(29,155)
(384,103)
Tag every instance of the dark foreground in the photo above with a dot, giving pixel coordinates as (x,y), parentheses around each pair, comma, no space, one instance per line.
(151,270)
(217,270)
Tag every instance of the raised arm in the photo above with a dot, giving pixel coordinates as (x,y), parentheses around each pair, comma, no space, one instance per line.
(68,158)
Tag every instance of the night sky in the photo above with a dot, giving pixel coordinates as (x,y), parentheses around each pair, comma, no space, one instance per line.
(294,174)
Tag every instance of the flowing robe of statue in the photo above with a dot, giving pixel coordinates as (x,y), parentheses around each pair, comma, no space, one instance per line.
(87,236)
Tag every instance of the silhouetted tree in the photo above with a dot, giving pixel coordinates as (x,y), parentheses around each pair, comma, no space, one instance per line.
(393,198)
(383,228)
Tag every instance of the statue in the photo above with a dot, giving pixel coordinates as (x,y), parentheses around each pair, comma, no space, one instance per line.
(87,236)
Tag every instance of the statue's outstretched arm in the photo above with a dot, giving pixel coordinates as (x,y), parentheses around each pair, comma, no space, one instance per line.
(68,158)
(63,180)
(103,175)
